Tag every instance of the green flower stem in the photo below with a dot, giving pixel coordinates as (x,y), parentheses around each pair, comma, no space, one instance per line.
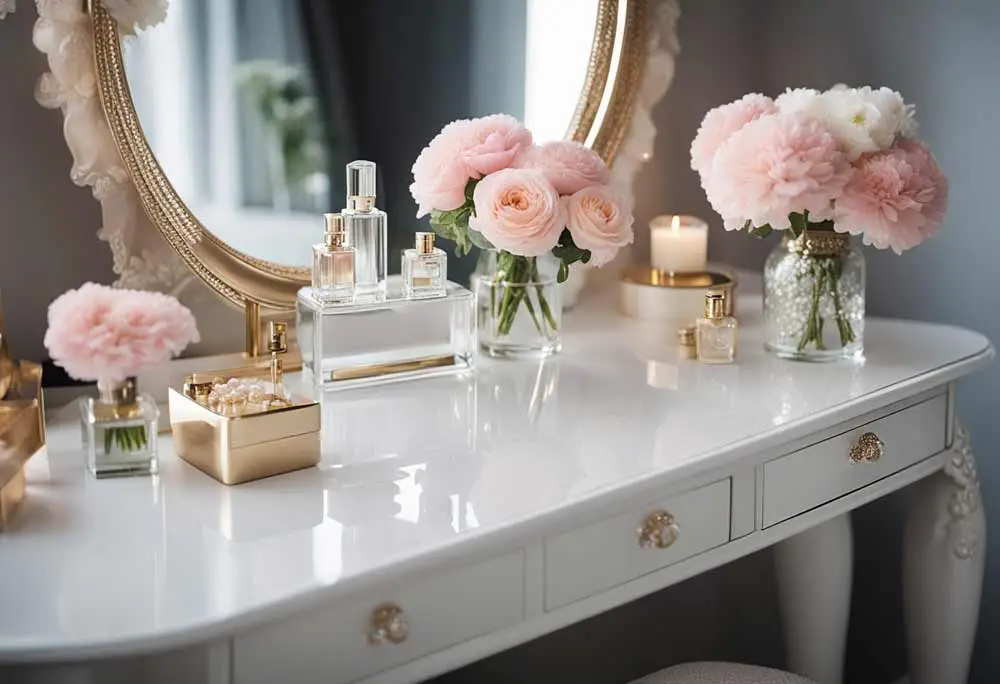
(126,439)
(825,275)
(516,289)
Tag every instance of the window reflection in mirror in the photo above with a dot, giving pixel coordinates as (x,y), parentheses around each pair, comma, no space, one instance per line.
(253,107)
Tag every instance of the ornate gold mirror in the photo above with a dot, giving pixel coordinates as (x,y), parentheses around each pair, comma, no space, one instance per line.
(234,118)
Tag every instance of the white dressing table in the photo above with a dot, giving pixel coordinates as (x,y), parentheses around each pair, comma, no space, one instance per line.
(451,519)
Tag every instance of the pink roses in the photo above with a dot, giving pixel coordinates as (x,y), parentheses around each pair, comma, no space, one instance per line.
(484,178)
(518,211)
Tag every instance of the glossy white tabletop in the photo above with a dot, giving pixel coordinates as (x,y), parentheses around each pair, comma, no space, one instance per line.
(418,472)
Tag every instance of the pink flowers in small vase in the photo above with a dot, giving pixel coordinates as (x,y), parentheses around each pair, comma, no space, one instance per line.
(105,334)
(485,183)
(845,160)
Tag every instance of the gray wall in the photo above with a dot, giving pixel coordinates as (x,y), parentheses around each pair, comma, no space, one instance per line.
(48,226)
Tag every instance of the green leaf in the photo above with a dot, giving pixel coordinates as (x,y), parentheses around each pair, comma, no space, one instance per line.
(563,273)
(479,240)
(567,251)
(761,231)
(470,188)
(799,223)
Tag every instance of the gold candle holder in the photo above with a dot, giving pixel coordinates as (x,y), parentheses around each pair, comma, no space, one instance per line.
(655,295)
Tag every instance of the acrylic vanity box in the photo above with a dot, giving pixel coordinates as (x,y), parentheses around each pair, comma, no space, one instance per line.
(398,339)
(22,433)
(250,445)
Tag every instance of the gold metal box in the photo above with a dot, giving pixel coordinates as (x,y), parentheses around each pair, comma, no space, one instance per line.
(22,434)
(249,446)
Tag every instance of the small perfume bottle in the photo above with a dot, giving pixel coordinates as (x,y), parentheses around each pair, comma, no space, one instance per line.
(119,431)
(333,264)
(277,343)
(716,332)
(425,269)
(367,232)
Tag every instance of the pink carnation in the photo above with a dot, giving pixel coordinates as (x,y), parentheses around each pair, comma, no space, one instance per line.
(105,334)
(776,165)
(720,123)
(896,199)
(439,173)
(599,219)
(519,211)
(570,166)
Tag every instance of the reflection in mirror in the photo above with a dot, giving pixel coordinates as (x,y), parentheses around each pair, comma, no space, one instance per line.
(253,107)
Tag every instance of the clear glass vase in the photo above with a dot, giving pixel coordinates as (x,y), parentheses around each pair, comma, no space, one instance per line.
(119,431)
(519,305)
(814,298)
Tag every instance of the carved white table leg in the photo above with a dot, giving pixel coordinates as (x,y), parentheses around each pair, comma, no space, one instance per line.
(944,549)
(814,590)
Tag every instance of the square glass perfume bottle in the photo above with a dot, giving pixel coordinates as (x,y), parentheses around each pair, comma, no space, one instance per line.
(425,269)
(119,431)
(716,332)
(379,342)
(333,264)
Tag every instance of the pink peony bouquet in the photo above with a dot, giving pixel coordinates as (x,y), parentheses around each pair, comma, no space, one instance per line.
(485,183)
(845,159)
(105,334)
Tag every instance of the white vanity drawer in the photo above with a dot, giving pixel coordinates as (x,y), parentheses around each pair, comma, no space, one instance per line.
(331,644)
(825,471)
(588,560)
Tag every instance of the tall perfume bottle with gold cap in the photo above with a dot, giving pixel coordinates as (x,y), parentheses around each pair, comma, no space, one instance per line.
(333,264)
(425,269)
(367,232)
(716,332)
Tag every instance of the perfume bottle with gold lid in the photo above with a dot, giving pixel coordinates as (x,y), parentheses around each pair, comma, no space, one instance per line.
(333,264)
(716,332)
(425,269)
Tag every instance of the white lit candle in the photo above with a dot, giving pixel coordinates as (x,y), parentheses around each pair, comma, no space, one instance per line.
(679,244)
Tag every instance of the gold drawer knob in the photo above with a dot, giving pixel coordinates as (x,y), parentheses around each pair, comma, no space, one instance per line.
(868,449)
(388,625)
(659,530)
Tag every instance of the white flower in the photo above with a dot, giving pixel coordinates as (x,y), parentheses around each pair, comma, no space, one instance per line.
(796,99)
(896,116)
(135,15)
(848,117)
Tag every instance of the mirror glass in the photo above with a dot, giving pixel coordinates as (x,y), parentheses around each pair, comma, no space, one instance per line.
(253,107)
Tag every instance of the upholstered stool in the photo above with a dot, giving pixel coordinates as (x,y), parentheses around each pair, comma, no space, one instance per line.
(721,673)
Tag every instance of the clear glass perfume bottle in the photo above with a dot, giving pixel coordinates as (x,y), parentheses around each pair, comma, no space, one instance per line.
(333,264)
(119,431)
(716,332)
(425,269)
(367,232)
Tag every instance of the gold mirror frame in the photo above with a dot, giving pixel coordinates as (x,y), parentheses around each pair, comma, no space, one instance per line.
(245,280)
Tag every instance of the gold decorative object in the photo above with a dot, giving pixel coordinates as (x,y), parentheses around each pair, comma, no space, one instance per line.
(22,434)
(817,243)
(651,294)
(244,441)
(659,530)
(868,449)
(388,625)
(602,118)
